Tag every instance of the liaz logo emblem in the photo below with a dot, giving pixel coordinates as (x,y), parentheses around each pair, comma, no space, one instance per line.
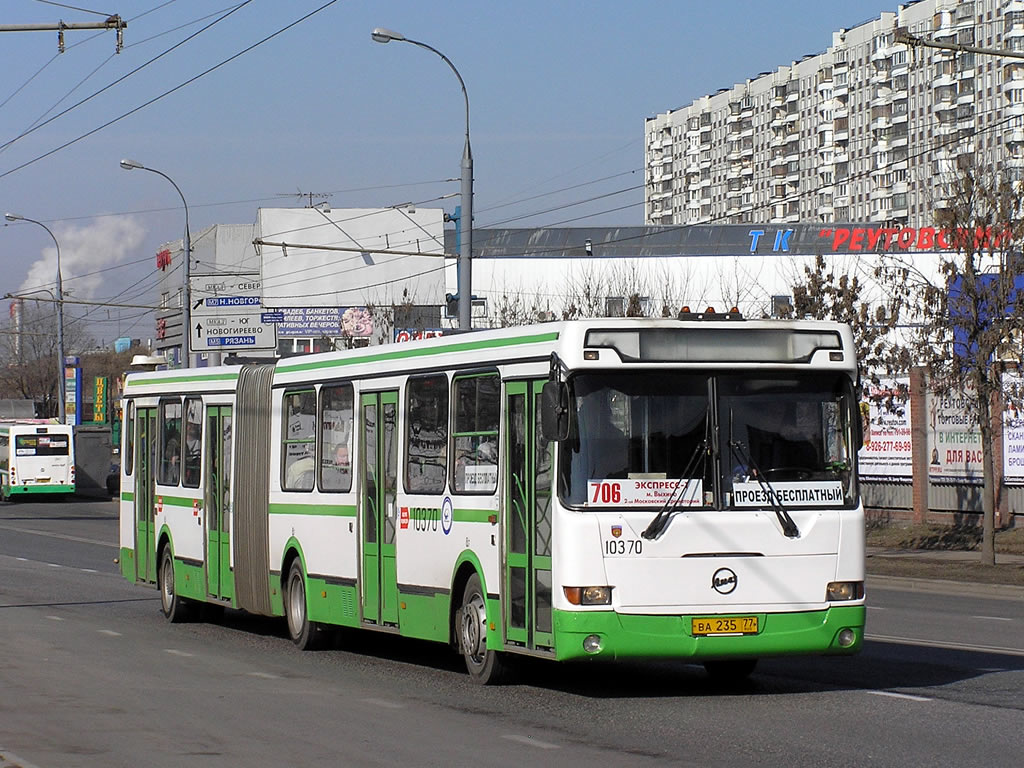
(724,581)
(616,531)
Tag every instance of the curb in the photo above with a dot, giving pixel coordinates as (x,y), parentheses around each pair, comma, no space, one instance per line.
(943,587)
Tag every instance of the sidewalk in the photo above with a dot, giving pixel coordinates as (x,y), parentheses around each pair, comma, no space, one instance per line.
(951,572)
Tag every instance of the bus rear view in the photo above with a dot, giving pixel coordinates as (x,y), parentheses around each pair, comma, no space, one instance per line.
(36,457)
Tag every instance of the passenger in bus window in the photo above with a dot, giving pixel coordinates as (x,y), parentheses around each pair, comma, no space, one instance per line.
(193,433)
(171,459)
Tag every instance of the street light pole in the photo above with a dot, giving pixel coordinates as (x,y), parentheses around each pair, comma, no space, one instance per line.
(186,289)
(61,407)
(465,263)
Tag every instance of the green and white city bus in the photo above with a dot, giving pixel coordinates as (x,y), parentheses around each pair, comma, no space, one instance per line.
(36,456)
(605,489)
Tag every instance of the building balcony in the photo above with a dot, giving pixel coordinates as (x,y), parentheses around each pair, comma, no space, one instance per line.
(945,129)
(841,91)
(942,81)
(825,210)
(881,122)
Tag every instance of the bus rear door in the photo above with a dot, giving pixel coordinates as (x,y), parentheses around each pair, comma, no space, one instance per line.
(377,499)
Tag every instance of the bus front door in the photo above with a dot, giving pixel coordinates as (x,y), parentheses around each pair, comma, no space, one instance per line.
(377,497)
(527,518)
(145,468)
(217,501)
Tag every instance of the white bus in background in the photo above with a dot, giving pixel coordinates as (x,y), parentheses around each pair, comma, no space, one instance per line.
(609,489)
(36,456)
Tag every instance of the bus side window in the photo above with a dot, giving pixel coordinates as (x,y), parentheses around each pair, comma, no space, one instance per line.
(298,440)
(336,415)
(426,445)
(193,442)
(170,442)
(5,449)
(475,433)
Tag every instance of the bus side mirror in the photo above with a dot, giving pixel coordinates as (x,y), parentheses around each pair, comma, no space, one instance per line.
(554,411)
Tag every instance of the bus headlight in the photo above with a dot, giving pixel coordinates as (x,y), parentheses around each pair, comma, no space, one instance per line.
(588,595)
(844,590)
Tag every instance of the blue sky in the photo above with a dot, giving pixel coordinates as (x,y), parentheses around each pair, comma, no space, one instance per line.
(558,91)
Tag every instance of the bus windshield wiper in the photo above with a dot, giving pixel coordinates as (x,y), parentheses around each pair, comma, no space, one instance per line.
(789,528)
(660,521)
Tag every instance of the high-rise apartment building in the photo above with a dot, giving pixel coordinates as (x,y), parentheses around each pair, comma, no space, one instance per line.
(869,130)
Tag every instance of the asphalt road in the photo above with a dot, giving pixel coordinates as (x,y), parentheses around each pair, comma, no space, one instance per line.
(92,675)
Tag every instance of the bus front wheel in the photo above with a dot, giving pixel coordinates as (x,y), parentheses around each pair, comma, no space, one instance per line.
(485,666)
(175,607)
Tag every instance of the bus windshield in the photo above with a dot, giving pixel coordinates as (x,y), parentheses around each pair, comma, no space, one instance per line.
(709,440)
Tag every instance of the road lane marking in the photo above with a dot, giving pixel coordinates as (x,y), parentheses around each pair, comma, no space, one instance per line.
(88,570)
(109,632)
(176,652)
(55,565)
(266,675)
(893,695)
(529,741)
(992,618)
(64,536)
(384,703)
(55,618)
(947,645)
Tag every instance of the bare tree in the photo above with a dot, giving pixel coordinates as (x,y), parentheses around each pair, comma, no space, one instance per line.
(28,355)
(827,294)
(970,316)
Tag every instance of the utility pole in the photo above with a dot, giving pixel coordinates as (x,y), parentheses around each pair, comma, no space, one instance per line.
(903,36)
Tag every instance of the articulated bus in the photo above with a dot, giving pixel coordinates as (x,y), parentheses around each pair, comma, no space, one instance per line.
(36,456)
(600,489)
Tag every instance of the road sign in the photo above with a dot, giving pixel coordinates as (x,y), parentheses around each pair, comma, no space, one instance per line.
(226,314)
(213,334)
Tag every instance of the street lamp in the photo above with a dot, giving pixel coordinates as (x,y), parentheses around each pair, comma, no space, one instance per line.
(465,267)
(186,291)
(61,408)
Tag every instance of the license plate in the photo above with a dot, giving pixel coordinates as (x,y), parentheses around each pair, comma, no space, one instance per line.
(724,625)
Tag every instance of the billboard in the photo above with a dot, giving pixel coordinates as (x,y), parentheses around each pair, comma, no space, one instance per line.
(885,423)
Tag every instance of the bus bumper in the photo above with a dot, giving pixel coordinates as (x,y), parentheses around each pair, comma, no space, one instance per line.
(629,636)
(16,490)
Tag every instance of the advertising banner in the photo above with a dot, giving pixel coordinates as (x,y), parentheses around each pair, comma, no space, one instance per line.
(885,422)
(954,440)
(1013,429)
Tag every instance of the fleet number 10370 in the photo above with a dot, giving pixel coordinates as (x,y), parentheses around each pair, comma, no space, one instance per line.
(624,546)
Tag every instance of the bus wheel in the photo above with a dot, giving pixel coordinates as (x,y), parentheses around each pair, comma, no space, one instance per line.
(487,667)
(730,670)
(175,607)
(304,633)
